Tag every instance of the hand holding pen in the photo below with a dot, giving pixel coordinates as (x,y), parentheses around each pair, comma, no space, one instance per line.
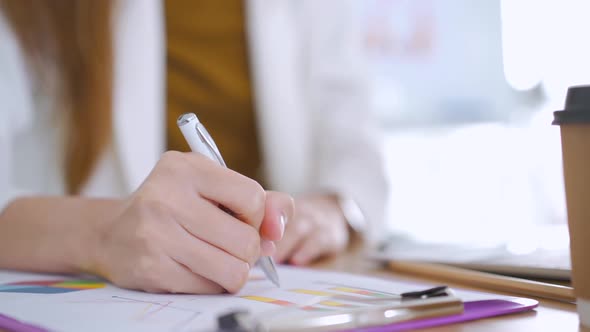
(200,141)
(174,234)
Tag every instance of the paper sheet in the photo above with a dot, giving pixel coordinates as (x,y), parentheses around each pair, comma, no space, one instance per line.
(72,304)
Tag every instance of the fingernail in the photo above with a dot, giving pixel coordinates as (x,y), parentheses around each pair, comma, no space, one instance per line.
(283,221)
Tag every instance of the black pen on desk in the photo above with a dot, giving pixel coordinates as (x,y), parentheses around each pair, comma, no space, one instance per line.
(200,141)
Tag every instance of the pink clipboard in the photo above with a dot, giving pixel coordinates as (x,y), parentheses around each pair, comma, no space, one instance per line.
(12,325)
(473,310)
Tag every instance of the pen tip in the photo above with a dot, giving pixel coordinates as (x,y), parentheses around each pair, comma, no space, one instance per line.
(269,269)
(276,282)
(273,276)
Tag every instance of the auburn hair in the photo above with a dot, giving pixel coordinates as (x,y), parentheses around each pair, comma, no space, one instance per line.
(75,37)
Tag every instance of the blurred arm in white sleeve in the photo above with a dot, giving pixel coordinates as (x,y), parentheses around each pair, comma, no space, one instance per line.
(347,159)
(349,155)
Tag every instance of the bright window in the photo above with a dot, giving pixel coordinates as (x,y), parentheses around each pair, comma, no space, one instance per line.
(465,91)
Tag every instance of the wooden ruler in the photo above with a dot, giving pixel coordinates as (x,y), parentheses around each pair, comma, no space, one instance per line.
(486,280)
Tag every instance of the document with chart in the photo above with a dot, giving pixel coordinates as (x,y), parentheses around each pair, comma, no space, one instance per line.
(59,303)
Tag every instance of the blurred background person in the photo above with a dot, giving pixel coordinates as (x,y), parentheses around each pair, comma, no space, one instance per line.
(283,88)
(280,85)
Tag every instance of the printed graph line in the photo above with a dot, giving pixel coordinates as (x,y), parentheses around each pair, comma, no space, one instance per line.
(144,311)
(357,290)
(160,308)
(312,292)
(283,303)
(269,300)
(160,304)
(343,298)
(109,300)
(337,304)
(151,309)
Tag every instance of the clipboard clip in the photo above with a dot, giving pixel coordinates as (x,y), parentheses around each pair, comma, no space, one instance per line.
(427,293)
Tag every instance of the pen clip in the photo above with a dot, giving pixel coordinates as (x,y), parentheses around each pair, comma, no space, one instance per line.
(208,140)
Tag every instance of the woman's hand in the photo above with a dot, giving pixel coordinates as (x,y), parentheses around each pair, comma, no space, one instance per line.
(172,234)
(318,228)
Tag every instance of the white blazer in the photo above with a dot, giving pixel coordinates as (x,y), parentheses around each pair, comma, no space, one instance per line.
(310,88)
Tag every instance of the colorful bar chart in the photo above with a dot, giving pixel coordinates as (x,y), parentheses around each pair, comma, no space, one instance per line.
(269,300)
(358,291)
(336,304)
(327,297)
(50,286)
(312,292)
(368,300)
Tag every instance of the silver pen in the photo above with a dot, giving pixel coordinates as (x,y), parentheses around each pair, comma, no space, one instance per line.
(200,141)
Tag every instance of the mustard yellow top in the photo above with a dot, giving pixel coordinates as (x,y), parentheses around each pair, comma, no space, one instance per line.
(208,74)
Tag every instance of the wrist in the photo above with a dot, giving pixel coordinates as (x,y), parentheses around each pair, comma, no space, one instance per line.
(352,213)
(348,210)
(53,234)
(102,214)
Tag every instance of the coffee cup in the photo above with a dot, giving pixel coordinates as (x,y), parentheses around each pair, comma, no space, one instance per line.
(574,121)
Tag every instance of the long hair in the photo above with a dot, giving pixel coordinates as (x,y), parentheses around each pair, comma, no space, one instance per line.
(73,36)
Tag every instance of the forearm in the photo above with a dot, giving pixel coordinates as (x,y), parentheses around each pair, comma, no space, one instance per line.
(53,234)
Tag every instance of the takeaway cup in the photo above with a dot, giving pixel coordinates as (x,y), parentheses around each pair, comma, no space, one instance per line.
(574,122)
